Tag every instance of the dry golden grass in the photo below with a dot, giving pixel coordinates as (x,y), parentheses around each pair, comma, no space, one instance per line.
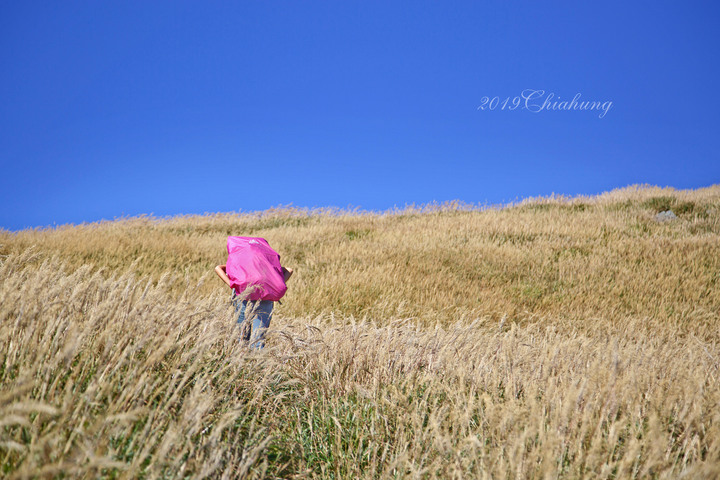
(558,338)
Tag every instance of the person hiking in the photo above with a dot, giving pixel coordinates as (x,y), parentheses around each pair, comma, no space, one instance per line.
(257,280)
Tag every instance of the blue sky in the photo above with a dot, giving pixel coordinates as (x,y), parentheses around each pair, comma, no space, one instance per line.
(167,107)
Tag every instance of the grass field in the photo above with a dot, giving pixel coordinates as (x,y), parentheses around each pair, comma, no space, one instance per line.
(553,338)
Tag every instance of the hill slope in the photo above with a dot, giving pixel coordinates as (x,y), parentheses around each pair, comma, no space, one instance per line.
(579,259)
(560,338)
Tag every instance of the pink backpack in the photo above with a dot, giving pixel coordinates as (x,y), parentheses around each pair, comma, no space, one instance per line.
(252,263)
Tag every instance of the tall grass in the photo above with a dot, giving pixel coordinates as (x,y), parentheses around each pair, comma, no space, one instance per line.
(556,338)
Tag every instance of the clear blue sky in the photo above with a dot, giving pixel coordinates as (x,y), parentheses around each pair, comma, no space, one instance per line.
(121,107)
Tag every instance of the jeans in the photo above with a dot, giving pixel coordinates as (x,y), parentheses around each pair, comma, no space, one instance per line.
(260,312)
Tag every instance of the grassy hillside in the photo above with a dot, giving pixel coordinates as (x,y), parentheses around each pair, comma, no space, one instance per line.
(581,259)
(553,338)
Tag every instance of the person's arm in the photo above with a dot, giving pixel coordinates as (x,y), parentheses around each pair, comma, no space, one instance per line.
(220,270)
(287,272)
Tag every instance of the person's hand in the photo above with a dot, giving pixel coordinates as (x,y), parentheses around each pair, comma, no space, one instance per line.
(221,272)
(287,273)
